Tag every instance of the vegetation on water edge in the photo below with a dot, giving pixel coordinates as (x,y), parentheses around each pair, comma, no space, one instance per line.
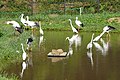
(10,44)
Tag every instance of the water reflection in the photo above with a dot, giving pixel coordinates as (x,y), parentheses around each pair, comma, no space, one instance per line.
(89,54)
(40,40)
(24,65)
(105,47)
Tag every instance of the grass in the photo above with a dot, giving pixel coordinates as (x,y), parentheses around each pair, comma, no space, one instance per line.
(9,43)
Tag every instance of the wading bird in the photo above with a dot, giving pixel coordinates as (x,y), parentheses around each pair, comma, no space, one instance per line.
(16,26)
(29,43)
(24,65)
(89,54)
(108,29)
(72,39)
(32,24)
(24,55)
(73,29)
(105,29)
(23,20)
(90,44)
(78,23)
(41,31)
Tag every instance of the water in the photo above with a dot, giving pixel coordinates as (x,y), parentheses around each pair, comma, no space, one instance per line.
(99,63)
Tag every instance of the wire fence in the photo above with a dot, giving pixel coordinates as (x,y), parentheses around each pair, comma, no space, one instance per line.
(72,7)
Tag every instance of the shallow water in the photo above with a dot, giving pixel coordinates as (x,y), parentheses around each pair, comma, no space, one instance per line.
(99,63)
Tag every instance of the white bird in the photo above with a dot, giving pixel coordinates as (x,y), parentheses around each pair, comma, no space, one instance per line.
(32,24)
(41,40)
(41,31)
(73,29)
(78,23)
(98,46)
(90,43)
(78,41)
(24,55)
(105,47)
(24,65)
(89,54)
(105,29)
(98,37)
(16,26)
(72,39)
(108,29)
(70,52)
(23,20)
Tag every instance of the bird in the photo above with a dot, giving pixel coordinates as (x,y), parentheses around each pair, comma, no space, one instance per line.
(32,24)
(90,43)
(41,31)
(89,54)
(24,65)
(16,26)
(73,29)
(108,28)
(40,40)
(78,23)
(23,20)
(98,46)
(99,36)
(29,43)
(24,55)
(72,39)
(105,47)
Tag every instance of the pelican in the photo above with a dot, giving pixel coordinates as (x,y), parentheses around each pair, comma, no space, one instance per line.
(24,55)
(73,29)
(32,24)
(41,31)
(78,23)
(90,44)
(16,26)
(23,20)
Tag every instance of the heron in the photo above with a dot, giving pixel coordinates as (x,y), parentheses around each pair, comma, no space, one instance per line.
(24,55)
(16,26)
(90,43)
(78,23)
(73,29)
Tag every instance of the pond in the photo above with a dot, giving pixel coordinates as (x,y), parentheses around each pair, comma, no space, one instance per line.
(99,63)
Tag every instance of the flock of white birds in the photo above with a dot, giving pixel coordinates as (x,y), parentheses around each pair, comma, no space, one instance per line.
(75,38)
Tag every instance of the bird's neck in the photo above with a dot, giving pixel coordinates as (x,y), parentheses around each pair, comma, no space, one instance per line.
(23,49)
